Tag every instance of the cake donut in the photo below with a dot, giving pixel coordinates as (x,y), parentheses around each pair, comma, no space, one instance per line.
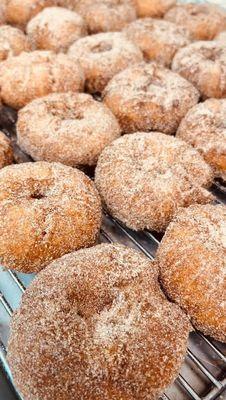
(101,313)
(106,15)
(71,128)
(204,65)
(12,42)
(159,40)
(153,8)
(6,151)
(204,21)
(204,127)
(145,177)
(192,266)
(46,210)
(31,75)
(55,28)
(102,56)
(19,12)
(149,97)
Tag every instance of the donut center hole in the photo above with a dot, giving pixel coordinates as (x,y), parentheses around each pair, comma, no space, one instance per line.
(102,47)
(37,196)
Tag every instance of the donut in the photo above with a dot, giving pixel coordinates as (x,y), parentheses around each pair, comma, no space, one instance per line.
(12,42)
(19,12)
(204,65)
(159,40)
(55,28)
(106,15)
(192,266)
(149,97)
(6,151)
(203,21)
(145,177)
(153,8)
(102,56)
(31,75)
(66,127)
(46,210)
(204,127)
(101,313)
(221,37)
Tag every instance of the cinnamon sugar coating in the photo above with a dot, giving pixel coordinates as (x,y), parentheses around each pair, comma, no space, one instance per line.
(145,177)
(102,56)
(153,8)
(55,28)
(149,97)
(159,40)
(204,65)
(221,37)
(204,127)
(6,151)
(204,21)
(106,15)
(192,258)
(46,210)
(2,11)
(31,75)
(12,42)
(71,128)
(96,325)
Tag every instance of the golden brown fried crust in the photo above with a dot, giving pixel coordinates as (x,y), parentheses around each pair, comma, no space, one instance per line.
(71,128)
(95,325)
(192,258)
(46,210)
(204,21)
(144,178)
(6,151)
(36,74)
(153,8)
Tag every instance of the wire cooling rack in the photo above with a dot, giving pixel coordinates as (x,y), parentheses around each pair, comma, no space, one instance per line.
(203,374)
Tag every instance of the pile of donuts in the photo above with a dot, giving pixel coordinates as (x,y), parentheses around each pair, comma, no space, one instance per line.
(134,91)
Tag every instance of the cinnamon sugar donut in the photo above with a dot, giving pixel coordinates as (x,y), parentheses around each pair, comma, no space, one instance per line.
(55,28)
(192,258)
(204,127)
(101,313)
(106,15)
(31,75)
(102,56)
(149,97)
(12,42)
(145,177)
(46,210)
(19,12)
(203,21)
(153,8)
(204,65)
(6,151)
(159,40)
(66,127)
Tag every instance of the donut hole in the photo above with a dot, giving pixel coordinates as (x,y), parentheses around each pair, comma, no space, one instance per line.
(38,195)
(102,47)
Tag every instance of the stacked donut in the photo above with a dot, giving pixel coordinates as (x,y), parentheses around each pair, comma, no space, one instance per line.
(132,92)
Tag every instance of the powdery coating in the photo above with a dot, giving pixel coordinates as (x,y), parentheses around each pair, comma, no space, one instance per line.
(104,55)
(222,37)
(95,325)
(66,127)
(6,151)
(149,97)
(31,75)
(153,8)
(55,28)
(204,65)
(204,127)
(19,12)
(145,177)
(46,210)
(159,40)
(12,42)
(203,21)
(192,258)
(106,15)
